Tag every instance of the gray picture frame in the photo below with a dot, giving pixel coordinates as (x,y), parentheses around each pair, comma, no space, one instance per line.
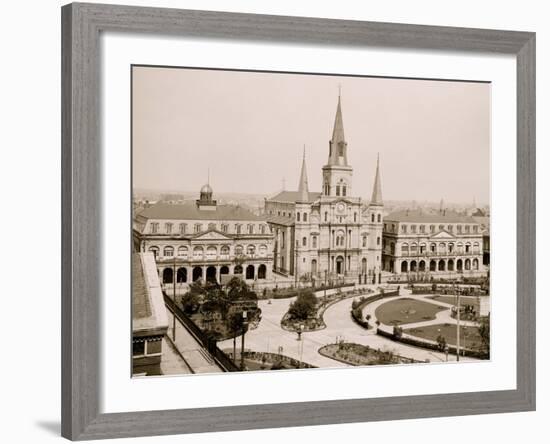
(81,229)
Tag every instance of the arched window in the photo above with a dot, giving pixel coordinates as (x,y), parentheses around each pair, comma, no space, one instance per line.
(378,240)
(433,247)
(238,269)
(364,241)
(476,247)
(442,248)
(414,248)
(372,217)
(251,250)
(168,251)
(262,271)
(337,190)
(168,276)
(211,253)
(304,241)
(239,249)
(468,248)
(183,252)
(181,275)
(154,250)
(250,272)
(313,266)
(405,249)
(198,253)
(224,252)
(298,217)
(460,247)
(379,217)
(344,190)
(314,242)
(355,217)
(263,250)
(305,217)
(326,216)
(475,264)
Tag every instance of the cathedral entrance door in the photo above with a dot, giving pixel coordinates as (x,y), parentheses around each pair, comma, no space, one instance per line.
(339,265)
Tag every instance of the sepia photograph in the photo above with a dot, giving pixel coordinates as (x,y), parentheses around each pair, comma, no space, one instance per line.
(291,221)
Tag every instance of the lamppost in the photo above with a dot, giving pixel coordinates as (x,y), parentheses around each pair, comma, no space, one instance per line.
(245,324)
(457,291)
(301,344)
(174,279)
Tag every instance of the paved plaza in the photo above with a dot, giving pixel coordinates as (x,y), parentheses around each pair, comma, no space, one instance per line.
(270,337)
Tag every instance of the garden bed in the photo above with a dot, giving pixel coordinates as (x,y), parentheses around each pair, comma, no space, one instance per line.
(316,322)
(358,355)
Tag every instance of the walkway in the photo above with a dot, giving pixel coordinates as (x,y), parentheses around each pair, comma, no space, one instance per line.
(269,336)
(193,353)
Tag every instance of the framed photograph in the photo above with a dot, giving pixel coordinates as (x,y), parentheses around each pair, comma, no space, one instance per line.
(278,221)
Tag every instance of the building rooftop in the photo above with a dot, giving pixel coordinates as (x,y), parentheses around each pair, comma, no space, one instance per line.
(190,211)
(281,220)
(294,196)
(420,216)
(148,310)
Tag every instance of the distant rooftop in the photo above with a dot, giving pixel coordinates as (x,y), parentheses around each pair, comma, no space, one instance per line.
(294,196)
(281,220)
(420,216)
(190,211)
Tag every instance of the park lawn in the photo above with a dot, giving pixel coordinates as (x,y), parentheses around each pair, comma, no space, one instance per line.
(407,311)
(472,340)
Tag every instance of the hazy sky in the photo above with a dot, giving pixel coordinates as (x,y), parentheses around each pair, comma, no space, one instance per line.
(249,130)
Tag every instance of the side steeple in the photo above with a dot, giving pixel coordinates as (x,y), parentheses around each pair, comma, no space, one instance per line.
(303,187)
(376,198)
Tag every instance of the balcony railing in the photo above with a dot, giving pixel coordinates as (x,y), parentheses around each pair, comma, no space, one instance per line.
(435,254)
(169,259)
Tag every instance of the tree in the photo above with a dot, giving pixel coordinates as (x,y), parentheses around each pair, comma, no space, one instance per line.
(190,302)
(304,305)
(236,326)
(484,330)
(397,332)
(441,342)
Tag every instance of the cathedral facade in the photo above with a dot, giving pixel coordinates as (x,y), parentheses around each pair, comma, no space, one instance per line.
(328,235)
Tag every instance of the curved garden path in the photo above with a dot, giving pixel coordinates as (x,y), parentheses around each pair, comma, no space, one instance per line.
(269,335)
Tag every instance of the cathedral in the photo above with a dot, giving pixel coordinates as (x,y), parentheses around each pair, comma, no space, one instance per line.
(328,235)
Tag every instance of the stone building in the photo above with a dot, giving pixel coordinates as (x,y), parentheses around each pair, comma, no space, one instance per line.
(149,320)
(330,234)
(442,244)
(204,240)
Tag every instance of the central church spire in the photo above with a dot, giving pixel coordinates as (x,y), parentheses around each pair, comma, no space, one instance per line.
(337,173)
(338,146)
